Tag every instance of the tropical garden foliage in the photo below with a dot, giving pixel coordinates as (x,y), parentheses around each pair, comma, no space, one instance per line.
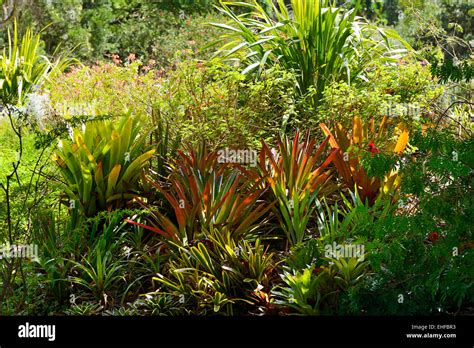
(258,157)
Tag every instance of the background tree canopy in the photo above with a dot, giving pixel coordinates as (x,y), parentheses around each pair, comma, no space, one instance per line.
(99,28)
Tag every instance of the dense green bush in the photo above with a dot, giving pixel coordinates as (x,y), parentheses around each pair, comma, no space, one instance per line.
(316,41)
(420,252)
(405,92)
(202,101)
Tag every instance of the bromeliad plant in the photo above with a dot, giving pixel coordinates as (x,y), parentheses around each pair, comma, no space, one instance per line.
(315,39)
(203,193)
(364,139)
(347,272)
(99,273)
(315,290)
(103,166)
(219,272)
(300,291)
(296,176)
(350,219)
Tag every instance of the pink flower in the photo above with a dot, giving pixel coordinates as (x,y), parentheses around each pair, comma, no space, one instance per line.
(116,59)
(131,57)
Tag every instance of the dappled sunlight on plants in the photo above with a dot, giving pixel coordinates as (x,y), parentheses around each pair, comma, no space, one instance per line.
(254,158)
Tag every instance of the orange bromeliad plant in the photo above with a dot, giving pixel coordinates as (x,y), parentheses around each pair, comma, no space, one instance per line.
(202,194)
(365,137)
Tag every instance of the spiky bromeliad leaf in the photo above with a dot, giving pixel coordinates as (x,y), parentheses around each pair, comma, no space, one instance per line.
(204,193)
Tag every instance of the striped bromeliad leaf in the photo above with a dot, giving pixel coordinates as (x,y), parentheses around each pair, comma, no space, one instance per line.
(221,267)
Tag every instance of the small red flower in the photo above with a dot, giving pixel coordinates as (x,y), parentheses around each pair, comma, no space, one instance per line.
(433,236)
(372,148)
(317,270)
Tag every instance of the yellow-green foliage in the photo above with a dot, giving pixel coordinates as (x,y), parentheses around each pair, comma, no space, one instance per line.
(199,101)
(102,166)
(22,67)
(404,91)
(104,89)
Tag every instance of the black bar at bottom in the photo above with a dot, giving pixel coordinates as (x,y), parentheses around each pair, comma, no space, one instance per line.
(247,331)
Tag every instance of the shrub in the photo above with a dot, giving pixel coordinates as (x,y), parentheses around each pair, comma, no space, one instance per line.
(405,91)
(211,102)
(198,101)
(186,38)
(96,29)
(420,254)
(104,89)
